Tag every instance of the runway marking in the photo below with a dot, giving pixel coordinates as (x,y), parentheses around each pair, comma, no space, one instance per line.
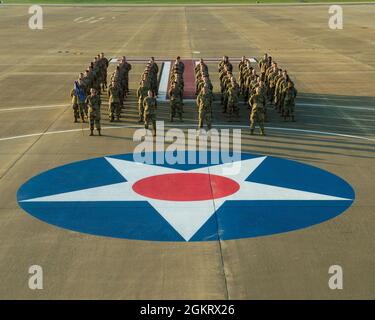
(325,133)
(35,107)
(187,199)
(210,60)
(360,99)
(163,87)
(164,79)
(97,20)
(368,108)
(86,20)
(77,19)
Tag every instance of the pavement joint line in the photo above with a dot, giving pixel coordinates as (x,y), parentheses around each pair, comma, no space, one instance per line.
(161,90)
(368,108)
(32,144)
(192,126)
(35,107)
(187,4)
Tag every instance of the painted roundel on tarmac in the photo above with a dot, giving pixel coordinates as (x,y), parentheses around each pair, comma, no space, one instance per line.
(117,197)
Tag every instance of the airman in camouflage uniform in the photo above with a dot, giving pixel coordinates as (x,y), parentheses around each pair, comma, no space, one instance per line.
(201,72)
(271,80)
(262,91)
(149,106)
(93,102)
(201,66)
(178,67)
(257,102)
(177,78)
(114,101)
(205,81)
(262,63)
(105,63)
(223,73)
(241,73)
(225,63)
(281,84)
(278,77)
(290,93)
(153,74)
(251,80)
(233,93)
(141,95)
(204,102)
(78,101)
(125,68)
(175,95)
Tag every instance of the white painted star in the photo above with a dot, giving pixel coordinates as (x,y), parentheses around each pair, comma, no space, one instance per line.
(186,217)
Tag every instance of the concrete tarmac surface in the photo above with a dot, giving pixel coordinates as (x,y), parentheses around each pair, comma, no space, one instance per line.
(334,72)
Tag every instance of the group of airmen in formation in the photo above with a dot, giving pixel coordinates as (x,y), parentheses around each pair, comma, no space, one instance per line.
(86,92)
(272,86)
(118,89)
(204,93)
(147,93)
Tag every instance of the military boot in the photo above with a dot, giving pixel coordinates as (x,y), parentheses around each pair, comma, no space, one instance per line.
(75,119)
(251,131)
(262,132)
(99,133)
(91,132)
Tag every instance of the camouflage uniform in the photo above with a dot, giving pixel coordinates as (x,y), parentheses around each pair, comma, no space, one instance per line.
(257,102)
(233,93)
(179,68)
(263,65)
(153,73)
(290,93)
(93,103)
(223,64)
(141,95)
(149,105)
(204,102)
(271,78)
(241,74)
(280,86)
(124,76)
(114,102)
(175,100)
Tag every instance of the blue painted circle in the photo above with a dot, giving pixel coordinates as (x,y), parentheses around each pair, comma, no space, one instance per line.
(233,220)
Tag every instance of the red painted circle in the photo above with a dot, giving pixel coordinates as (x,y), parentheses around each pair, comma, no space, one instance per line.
(186,187)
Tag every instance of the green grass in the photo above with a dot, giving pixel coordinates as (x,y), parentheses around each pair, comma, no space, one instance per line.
(173,1)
